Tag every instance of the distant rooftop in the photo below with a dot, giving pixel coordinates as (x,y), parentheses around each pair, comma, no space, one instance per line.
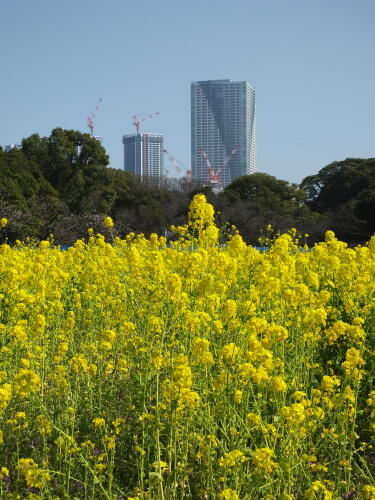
(144,133)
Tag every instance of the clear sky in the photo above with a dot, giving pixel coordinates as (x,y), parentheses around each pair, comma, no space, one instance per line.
(312,63)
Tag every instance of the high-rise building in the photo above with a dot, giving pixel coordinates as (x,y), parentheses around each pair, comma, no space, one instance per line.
(222,130)
(143,155)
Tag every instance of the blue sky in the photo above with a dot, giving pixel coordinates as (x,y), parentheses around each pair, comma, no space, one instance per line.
(312,63)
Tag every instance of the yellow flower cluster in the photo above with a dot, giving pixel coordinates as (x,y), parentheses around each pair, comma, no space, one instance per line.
(34,477)
(228,494)
(141,369)
(201,353)
(294,415)
(232,459)
(26,381)
(318,486)
(368,492)
(262,460)
(353,363)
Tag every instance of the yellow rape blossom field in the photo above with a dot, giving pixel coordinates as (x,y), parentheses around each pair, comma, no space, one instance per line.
(139,370)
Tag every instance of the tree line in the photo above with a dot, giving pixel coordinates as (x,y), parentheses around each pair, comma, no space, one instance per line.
(62,185)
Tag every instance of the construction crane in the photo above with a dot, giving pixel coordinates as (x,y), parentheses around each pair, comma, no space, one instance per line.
(179,168)
(138,120)
(90,119)
(214,178)
(210,170)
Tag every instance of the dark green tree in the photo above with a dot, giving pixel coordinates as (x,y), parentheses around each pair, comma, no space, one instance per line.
(74,163)
(345,192)
(22,181)
(253,201)
(265,189)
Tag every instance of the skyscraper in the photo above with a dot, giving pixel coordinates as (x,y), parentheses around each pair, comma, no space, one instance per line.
(143,155)
(222,130)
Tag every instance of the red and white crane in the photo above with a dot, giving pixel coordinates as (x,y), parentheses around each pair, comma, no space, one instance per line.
(210,170)
(180,169)
(138,120)
(214,178)
(90,119)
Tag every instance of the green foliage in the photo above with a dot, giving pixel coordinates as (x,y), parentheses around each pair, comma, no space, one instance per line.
(264,189)
(364,208)
(21,180)
(74,163)
(66,175)
(347,185)
(253,201)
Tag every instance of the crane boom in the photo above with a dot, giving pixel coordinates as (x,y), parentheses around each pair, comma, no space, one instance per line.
(214,178)
(90,119)
(138,120)
(178,166)
(210,170)
(232,153)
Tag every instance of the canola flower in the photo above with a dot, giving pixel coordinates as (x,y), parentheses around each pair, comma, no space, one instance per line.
(133,369)
(108,223)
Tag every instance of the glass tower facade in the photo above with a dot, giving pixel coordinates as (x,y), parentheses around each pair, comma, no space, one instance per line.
(143,155)
(222,131)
